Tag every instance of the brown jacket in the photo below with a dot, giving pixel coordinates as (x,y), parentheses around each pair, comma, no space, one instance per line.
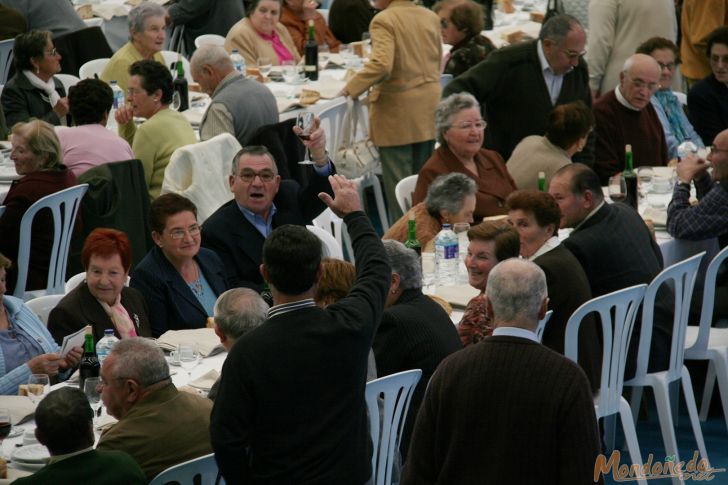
(299,30)
(404,74)
(252,46)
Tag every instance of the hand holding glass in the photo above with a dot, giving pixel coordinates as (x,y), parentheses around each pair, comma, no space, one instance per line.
(305,121)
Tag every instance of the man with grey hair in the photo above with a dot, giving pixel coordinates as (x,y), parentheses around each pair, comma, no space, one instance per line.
(236,312)
(239,105)
(519,85)
(509,398)
(158,425)
(625,116)
(415,332)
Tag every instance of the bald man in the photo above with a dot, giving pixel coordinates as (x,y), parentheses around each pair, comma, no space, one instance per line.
(239,105)
(626,116)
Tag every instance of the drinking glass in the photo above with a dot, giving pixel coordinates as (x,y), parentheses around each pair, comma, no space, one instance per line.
(189,357)
(323,56)
(176,101)
(290,71)
(617,188)
(5,424)
(91,389)
(644,176)
(428,271)
(304,121)
(461,229)
(265,65)
(38,385)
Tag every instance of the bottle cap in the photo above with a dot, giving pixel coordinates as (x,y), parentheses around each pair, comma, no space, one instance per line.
(88,330)
(542,175)
(628,148)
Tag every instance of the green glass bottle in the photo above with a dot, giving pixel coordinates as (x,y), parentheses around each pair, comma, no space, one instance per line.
(630,178)
(310,54)
(542,182)
(90,366)
(412,242)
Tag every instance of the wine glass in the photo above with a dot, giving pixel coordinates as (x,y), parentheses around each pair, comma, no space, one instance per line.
(290,71)
(176,101)
(617,188)
(323,55)
(264,66)
(91,389)
(5,424)
(189,357)
(38,385)
(304,121)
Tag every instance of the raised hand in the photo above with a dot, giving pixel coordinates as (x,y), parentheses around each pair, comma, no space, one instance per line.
(346,196)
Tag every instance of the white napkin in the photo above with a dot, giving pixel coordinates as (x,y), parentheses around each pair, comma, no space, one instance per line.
(207,342)
(658,216)
(21,408)
(206,380)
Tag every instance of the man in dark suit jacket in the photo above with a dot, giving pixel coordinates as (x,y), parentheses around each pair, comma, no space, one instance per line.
(263,202)
(507,410)
(205,17)
(519,85)
(290,406)
(65,426)
(615,248)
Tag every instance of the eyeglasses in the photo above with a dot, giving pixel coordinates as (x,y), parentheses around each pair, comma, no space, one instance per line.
(132,91)
(573,55)
(716,59)
(714,148)
(640,84)
(444,23)
(670,65)
(180,233)
(103,383)
(52,52)
(248,175)
(467,125)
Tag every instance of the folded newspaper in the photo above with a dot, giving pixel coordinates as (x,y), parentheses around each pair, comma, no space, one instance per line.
(204,338)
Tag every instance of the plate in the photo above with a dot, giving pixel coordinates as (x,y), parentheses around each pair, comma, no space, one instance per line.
(28,466)
(31,454)
(8,173)
(299,81)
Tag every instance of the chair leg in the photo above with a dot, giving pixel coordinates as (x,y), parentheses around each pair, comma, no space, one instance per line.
(630,435)
(721,368)
(708,391)
(674,389)
(664,414)
(635,402)
(687,386)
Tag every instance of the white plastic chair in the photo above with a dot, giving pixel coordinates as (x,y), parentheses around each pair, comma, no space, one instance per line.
(198,470)
(212,39)
(681,278)
(2,210)
(403,192)
(711,344)
(171,57)
(95,22)
(332,249)
(616,333)
(43,305)
(333,224)
(331,119)
(74,281)
(6,59)
(542,324)
(445,80)
(200,173)
(386,423)
(67,80)
(95,66)
(64,207)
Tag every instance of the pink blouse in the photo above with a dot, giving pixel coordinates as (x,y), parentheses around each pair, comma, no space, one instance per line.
(281,51)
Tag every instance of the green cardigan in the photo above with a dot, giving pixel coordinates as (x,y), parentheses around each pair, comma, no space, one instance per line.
(97,467)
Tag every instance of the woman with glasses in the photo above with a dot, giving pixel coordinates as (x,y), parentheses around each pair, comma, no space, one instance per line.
(103,300)
(179,280)
(460,131)
(147,32)
(34,92)
(461,22)
(165,130)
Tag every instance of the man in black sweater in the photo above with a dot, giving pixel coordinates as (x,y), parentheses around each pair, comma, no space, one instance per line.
(507,410)
(290,407)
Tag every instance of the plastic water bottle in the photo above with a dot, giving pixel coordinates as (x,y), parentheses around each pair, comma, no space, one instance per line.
(238,61)
(104,346)
(118,103)
(446,256)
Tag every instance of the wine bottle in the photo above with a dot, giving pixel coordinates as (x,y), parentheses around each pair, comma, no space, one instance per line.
(90,366)
(630,178)
(412,242)
(311,54)
(180,86)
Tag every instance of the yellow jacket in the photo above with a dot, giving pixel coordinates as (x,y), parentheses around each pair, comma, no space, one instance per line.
(118,67)
(699,18)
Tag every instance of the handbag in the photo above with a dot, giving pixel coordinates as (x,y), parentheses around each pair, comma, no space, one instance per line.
(354,159)
(552,11)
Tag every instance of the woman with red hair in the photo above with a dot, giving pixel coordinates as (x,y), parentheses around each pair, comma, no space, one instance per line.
(102,300)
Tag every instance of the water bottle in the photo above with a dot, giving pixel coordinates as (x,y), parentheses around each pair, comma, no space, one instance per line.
(446,256)
(238,61)
(117,103)
(104,346)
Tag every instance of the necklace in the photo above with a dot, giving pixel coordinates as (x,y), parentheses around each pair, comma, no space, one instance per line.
(196,284)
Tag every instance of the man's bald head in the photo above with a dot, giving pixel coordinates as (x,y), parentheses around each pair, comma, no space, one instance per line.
(209,65)
(639,79)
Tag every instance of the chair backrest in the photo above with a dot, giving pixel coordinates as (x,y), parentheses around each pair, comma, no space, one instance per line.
(333,224)
(331,248)
(74,281)
(680,277)
(286,148)
(2,210)
(200,173)
(212,39)
(445,80)
(6,59)
(197,470)
(617,312)
(78,47)
(331,119)
(387,417)
(403,192)
(43,305)
(64,207)
(67,80)
(541,324)
(706,314)
(94,22)
(171,57)
(96,66)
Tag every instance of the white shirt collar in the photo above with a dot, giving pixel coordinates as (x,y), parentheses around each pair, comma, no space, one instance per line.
(550,244)
(515,332)
(622,100)
(542,57)
(57,458)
